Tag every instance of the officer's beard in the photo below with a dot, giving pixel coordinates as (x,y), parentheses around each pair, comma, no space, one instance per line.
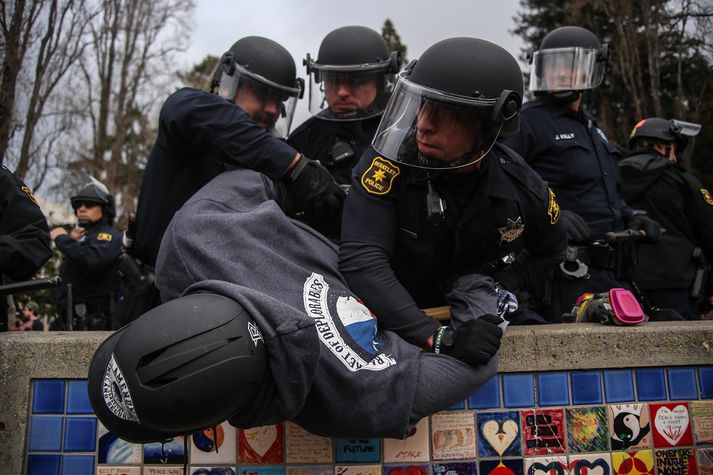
(268,120)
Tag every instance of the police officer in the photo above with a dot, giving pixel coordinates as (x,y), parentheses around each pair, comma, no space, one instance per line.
(200,134)
(437,197)
(671,272)
(90,253)
(561,141)
(24,235)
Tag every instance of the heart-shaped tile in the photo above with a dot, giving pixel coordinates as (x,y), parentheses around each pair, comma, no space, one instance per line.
(672,424)
(500,439)
(552,468)
(596,467)
(260,439)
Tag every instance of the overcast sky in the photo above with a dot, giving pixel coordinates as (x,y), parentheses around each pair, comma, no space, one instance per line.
(300,25)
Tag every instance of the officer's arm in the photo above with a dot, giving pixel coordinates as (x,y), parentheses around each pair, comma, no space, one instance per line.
(699,208)
(95,254)
(202,121)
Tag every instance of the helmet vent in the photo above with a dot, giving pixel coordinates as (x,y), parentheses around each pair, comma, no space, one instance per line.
(149,358)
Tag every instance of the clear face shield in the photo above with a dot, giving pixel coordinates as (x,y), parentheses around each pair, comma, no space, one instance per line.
(270,104)
(567,69)
(351,92)
(430,129)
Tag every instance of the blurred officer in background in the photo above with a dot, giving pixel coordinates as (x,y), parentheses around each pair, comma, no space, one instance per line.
(90,280)
(673,272)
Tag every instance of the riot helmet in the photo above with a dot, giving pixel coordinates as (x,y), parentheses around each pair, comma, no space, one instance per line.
(261,72)
(469,82)
(95,192)
(676,131)
(352,76)
(185,365)
(570,58)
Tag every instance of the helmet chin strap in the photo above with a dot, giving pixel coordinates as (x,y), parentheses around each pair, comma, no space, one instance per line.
(565,97)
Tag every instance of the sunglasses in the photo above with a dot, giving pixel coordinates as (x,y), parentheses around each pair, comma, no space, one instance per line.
(86,204)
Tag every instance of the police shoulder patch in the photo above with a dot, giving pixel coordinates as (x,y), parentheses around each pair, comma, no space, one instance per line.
(104,237)
(29,194)
(553,208)
(380,176)
(707,196)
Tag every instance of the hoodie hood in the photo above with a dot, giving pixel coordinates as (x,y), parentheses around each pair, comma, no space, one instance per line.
(639,171)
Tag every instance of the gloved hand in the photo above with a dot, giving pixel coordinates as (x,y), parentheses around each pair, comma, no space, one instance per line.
(640,222)
(475,342)
(577,228)
(315,191)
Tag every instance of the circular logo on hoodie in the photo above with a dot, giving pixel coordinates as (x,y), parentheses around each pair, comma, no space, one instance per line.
(116,392)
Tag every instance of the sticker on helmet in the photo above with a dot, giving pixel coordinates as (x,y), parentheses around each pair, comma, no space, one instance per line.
(707,196)
(380,176)
(116,392)
(29,194)
(104,237)
(553,208)
(512,230)
(255,334)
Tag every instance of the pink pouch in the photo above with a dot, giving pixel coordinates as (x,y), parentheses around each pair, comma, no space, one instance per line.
(625,307)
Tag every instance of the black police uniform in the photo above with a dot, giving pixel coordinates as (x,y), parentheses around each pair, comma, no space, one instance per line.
(502,208)
(677,200)
(24,234)
(198,135)
(90,265)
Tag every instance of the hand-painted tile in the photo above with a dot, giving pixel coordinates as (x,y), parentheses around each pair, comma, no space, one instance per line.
(619,385)
(214,445)
(455,468)
(651,384)
(682,384)
(543,431)
(587,429)
(264,444)
(487,397)
(518,390)
(211,471)
(453,435)
(38,464)
(706,378)
(499,434)
(45,434)
(586,387)
(48,397)
(675,462)
(80,434)
(115,451)
(170,452)
(702,421)
(629,426)
(303,447)
(113,470)
(551,465)
(586,464)
(422,469)
(704,460)
(357,450)
(501,467)
(638,462)
(310,470)
(162,470)
(358,469)
(78,397)
(414,448)
(552,389)
(78,464)
(260,470)
(671,424)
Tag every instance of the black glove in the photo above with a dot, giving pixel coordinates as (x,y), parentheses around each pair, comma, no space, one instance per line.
(315,191)
(577,229)
(640,222)
(475,342)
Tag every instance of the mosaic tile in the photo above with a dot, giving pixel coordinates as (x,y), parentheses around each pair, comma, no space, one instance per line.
(619,385)
(487,397)
(358,469)
(310,470)
(357,450)
(651,384)
(587,429)
(264,444)
(48,397)
(78,464)
(627,463)
(499,434)
(78,398)
(43,464)
(518,390)
(115,451)
(552,389)
(501,467)
(214,446)
(453,435)
(303,447)
(80,434)
(168,452)
(704,460)
(629,426)
(163,470)
(588,464)
(107,470)
(543,431)
(682,384)
(552,465)
(675,462)
(422,469)
(455,468)
(414,448)
(671,424)
(211,471)
(706,378)
(260,470)
(586,387)
(702,421)
(45,434)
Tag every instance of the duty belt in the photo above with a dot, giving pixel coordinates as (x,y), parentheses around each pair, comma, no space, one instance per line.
(579,259)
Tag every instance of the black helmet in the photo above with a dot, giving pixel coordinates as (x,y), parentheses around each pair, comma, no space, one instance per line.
(188,364)
(666,130)
(96,192)
(570,58)
(465,75)
(351,54)
(269,68)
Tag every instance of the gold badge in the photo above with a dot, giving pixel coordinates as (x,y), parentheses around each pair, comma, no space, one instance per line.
(378,178)
(512,230)
(104,237)
(707,196)
(553,208)
(29,194)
